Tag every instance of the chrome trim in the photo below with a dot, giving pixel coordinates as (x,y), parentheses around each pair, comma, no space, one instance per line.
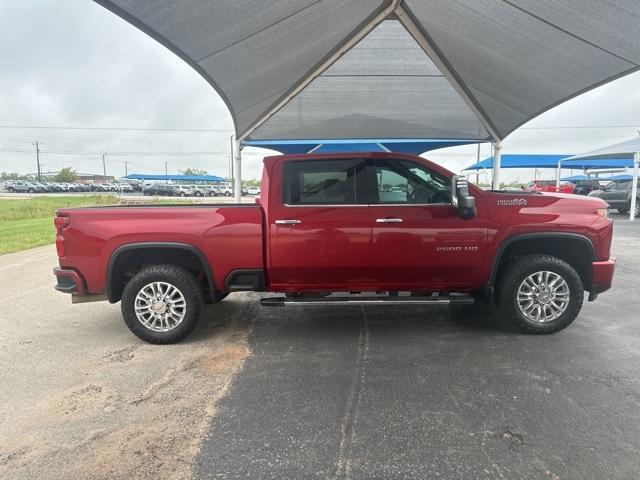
(388,220)
(288,221)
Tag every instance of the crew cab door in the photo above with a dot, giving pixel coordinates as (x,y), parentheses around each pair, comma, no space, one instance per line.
(419,240)
(319,225)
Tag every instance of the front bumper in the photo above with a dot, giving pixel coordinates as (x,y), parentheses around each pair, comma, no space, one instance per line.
(601,276)
(69,281)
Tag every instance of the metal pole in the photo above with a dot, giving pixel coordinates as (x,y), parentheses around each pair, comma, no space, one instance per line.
(166,168)
(237,180)
(497,148)
(104,166)
(126,169)
(231,144)
(634,186)
(558,175)
(478,161)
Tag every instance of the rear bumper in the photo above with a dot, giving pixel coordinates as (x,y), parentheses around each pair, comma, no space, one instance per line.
(602,275)
(69,281)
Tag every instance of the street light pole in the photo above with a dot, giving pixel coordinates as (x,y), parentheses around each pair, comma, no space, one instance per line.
(166,168)
(104,166)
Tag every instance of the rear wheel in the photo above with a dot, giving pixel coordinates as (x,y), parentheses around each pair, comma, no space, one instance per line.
(540,293)
(161,304)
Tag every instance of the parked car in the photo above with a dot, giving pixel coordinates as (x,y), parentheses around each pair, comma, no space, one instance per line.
(125,188)
(583,187)
(181,190)
(198,190)
(548,186)
(320,231)
(253,191)
(160,189)
(618,195)
(19,186)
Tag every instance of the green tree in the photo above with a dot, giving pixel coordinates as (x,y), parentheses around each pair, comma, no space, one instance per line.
(66,175)
(195,171)
(251,183)
(12,176)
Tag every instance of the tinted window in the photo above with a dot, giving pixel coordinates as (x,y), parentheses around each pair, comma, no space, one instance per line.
(321,182)
(401,181)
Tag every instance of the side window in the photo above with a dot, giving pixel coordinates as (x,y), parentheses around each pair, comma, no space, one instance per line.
(320,182)
(401,181)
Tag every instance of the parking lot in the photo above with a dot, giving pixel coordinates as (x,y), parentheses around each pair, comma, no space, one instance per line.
(333,392)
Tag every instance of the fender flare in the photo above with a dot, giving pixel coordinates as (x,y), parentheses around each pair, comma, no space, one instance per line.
(127,247)
(531,236)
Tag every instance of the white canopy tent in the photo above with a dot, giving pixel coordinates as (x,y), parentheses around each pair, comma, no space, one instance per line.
(358,69)
(629,149)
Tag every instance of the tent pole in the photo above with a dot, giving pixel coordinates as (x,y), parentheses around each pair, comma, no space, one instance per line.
(497,148)
(237,179)
(634,186)
(558,169)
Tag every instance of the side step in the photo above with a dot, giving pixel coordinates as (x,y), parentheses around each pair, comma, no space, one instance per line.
(335,299)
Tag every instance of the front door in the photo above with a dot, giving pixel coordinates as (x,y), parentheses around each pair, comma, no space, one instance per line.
(319,226)
(419,241)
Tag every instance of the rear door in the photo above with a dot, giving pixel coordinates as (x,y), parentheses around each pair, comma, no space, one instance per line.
(419,241)
(319,225)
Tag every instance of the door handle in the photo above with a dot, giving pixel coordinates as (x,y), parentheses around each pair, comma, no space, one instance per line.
(388,220)
(288,221)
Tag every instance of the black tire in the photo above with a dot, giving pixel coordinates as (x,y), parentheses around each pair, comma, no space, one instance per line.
(11,190)
(624,210)
(517,271)
(227,194)
(179,277)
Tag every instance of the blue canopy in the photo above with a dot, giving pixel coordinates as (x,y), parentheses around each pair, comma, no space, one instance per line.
(549,161)
(181,178)
(406,145)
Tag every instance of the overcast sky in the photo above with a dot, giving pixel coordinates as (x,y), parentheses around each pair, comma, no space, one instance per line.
(72,63)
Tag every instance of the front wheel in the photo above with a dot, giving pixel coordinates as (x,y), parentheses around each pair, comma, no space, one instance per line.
(540,293)
(161,304)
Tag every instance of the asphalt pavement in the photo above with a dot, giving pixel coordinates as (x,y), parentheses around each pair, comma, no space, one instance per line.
(396,392)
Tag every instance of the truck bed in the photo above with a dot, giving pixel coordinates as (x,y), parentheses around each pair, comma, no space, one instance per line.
(228,235)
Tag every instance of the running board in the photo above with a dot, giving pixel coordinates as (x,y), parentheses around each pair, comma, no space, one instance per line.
(451,299)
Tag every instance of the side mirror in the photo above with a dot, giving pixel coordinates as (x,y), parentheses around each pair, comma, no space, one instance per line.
(461,198)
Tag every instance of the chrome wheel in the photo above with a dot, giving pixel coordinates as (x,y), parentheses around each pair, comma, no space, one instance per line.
(160,306)
(543,296)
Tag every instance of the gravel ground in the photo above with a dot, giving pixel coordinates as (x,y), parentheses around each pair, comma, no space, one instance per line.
(81,397)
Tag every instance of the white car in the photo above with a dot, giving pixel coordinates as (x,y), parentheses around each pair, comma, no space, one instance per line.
(253,190)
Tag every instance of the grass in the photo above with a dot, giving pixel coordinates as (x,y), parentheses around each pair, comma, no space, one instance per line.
(28,223)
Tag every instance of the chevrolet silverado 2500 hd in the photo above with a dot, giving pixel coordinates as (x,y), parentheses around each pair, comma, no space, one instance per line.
(375,228)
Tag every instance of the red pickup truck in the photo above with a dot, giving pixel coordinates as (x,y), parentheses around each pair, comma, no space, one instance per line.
(548,186)
(376,228)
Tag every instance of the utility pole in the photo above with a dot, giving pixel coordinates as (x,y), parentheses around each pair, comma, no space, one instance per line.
(38,158)
(104,166)
(166,168)
(126,170)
